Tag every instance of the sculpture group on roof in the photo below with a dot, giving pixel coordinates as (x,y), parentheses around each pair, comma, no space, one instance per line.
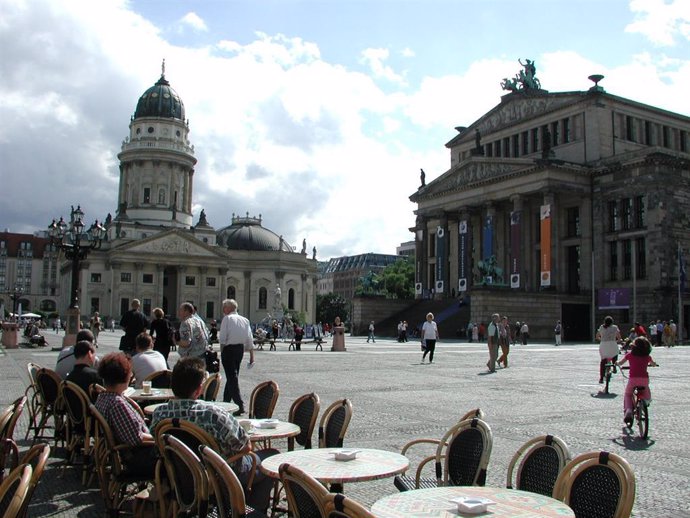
(524,80)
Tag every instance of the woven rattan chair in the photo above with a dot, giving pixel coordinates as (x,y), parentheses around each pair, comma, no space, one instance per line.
(333,424)
(211,387)
(32,396)
(340,506)
(9,452)
(407,482)
(78,424)
(225,487)
(597,485)
(186,476)
(36,457)
(263,400)
(13,491)
(49,406)
(306,496)
(464,460)
(160,379)
(189,433)
(303,413)
(541,459)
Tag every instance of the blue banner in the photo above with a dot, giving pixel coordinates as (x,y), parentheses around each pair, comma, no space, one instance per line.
(488,237)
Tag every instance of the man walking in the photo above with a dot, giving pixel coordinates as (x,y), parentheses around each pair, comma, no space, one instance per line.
(371,332)
(192,342)
(133,322)
(235,338)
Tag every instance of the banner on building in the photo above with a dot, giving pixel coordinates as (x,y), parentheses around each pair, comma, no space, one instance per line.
(613,298)
(488,237)
(440,257)
(545,220)
(418,288)
(515,247)
(462,255)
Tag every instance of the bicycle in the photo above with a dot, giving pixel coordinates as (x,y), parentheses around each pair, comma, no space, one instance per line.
(609,369)
(640,413)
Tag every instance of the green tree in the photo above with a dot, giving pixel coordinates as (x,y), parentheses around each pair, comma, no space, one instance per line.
(398,279)
(329,306)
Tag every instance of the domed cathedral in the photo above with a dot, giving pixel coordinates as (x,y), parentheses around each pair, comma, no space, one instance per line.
(157,253)
(560,206)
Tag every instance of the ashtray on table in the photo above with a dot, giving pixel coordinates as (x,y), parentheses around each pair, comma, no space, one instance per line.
(345,454)
(472,504)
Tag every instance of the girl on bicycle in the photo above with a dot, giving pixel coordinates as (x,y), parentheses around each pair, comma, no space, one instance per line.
(608,336)
(639,358)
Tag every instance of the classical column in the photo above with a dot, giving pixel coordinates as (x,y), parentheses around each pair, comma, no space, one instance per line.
(442,245)
(516,252)
(248,309)
(202,274)
(223,285)
(488,256)
(181,270)
(420,256)
(138,267)
(160,270)
(84,301)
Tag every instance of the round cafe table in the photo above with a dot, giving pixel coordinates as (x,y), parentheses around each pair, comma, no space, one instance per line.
(283,429)
(320,463)
(229,407)
(436,503)
(157,394)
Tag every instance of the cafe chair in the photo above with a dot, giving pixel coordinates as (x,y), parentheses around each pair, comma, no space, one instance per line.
(8,422)
(137,408)
(306,496)
(189,433)
(49,406)
(463,455)
(471,414)
(160,379)
(333,424)
(541,459)
(186,476)
(597,483)
(211,387)
(117,485)
(78,429)
(32,396)
(36,457)
(14,490)
(225,489)
(303,412)
(94,390)
(340,506)
(263,400)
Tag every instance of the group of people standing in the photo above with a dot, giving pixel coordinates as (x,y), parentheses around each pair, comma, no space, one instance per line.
(499,335)
(477,332)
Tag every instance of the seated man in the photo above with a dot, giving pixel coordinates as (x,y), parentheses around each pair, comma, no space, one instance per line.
(146,361)
(187,383)
(83,373)
(127,425)
(66,360)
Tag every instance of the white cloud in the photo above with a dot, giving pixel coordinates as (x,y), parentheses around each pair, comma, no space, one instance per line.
(374,59)
(194,21)
(660,21)
(408,53)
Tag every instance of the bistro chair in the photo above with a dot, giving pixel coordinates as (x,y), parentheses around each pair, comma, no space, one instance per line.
(597,484)
(211,387)
(263,400)
(333,424)
(36,457)
(541,459)
(78,429)
(306,496)
(49,406)
(160,379)
(189,433)
(303,412)
(14,490)
(33,397)
(340,506)
(9,452)
(227,495)
(186,476)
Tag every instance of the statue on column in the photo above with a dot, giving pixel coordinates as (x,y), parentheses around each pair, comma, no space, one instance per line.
(277,299)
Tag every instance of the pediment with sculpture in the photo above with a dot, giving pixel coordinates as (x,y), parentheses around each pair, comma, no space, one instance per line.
(169,244)
(470,172)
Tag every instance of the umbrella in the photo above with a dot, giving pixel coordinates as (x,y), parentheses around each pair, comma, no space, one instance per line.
(30,315)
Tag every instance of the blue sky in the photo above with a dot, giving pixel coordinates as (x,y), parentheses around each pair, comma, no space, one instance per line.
(316,114)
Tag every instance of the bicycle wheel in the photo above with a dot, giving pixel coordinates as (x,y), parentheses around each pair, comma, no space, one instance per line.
(642,415)
(607,376)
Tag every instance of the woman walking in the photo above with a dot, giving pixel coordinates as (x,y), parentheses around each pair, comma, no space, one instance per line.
(429,337)
(162,332)
(504,341)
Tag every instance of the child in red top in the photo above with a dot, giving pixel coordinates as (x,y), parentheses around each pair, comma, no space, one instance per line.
(639,358)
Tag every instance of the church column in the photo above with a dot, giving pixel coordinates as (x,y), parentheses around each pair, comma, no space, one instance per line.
(420,257)
(160,271)
(138,267)
(303,289)
(202,301)
(515,267)
(223,285)
(248,295)
(181,270)
(488,239)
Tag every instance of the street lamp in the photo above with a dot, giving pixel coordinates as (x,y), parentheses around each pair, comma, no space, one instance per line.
(76,243)
(15,296)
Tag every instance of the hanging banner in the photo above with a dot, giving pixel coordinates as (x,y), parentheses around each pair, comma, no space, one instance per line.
(462,255)
(515,247)
(545,221)
(440,258)
(613,298)
(488,237)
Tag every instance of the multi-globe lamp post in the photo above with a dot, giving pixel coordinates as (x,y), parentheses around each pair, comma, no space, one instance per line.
(15,295)
(76,243)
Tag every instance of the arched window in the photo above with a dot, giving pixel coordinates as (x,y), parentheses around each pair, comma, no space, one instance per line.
(161,196)
(232,292)
(48,305)
(291,298)
(263,296)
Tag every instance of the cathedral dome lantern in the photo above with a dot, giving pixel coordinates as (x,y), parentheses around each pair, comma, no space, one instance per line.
(160,101)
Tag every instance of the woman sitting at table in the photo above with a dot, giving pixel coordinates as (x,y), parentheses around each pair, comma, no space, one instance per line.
(127,425)
(188,377)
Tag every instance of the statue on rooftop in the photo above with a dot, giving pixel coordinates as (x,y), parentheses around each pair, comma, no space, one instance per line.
(422,177)
(524,80)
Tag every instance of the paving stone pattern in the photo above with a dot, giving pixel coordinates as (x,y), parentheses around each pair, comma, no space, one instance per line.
(547,389)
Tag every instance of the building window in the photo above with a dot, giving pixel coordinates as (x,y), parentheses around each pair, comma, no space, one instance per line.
(573,221)
(497,147)
(210,309)
(147,195)
(639,209)
(613,216)
(648,133)
(147,278)
(627,260)
(555,135)
(263,297)
(535,140)
(211,282)
(432,244)
(291,298)
(161,196)
(506,147)
(95,304)
(630,128)
(125,276)
(641,258)
(146,306)
(666,136)
(190,280)
(573,269)
(627,213)
(525,142)
(516,145)
(683,140)
(95,277)
(489,150)
(565,124)
(124,306)
(613,261)
(232,292)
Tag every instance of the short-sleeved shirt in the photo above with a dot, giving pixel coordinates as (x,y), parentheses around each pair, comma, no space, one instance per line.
(236,329)
(145,363)
(190,330)
(126,423)
(638,365)
(429,330)
(216,421)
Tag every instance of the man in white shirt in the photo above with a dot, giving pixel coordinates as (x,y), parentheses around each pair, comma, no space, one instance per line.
(146,361)
(66,360)
(235,338)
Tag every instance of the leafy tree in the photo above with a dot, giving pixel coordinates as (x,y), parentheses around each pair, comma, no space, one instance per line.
(398,279)
(329,306)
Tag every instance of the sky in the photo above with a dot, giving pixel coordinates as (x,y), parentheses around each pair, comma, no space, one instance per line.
(316,114)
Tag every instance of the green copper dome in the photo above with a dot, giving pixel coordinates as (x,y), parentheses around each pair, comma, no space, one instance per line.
(160,101)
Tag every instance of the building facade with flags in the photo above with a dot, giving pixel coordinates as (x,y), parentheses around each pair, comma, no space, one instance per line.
(552,198)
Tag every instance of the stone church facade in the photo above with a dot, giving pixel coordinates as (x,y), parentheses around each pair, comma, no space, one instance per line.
(560,206)
(155,252)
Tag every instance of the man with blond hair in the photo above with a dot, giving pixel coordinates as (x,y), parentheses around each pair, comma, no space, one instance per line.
(235,338)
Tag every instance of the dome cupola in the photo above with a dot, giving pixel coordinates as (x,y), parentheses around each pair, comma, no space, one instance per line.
(246,233)
(160,101)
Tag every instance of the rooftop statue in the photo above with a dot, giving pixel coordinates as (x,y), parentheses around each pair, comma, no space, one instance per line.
(524,80)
